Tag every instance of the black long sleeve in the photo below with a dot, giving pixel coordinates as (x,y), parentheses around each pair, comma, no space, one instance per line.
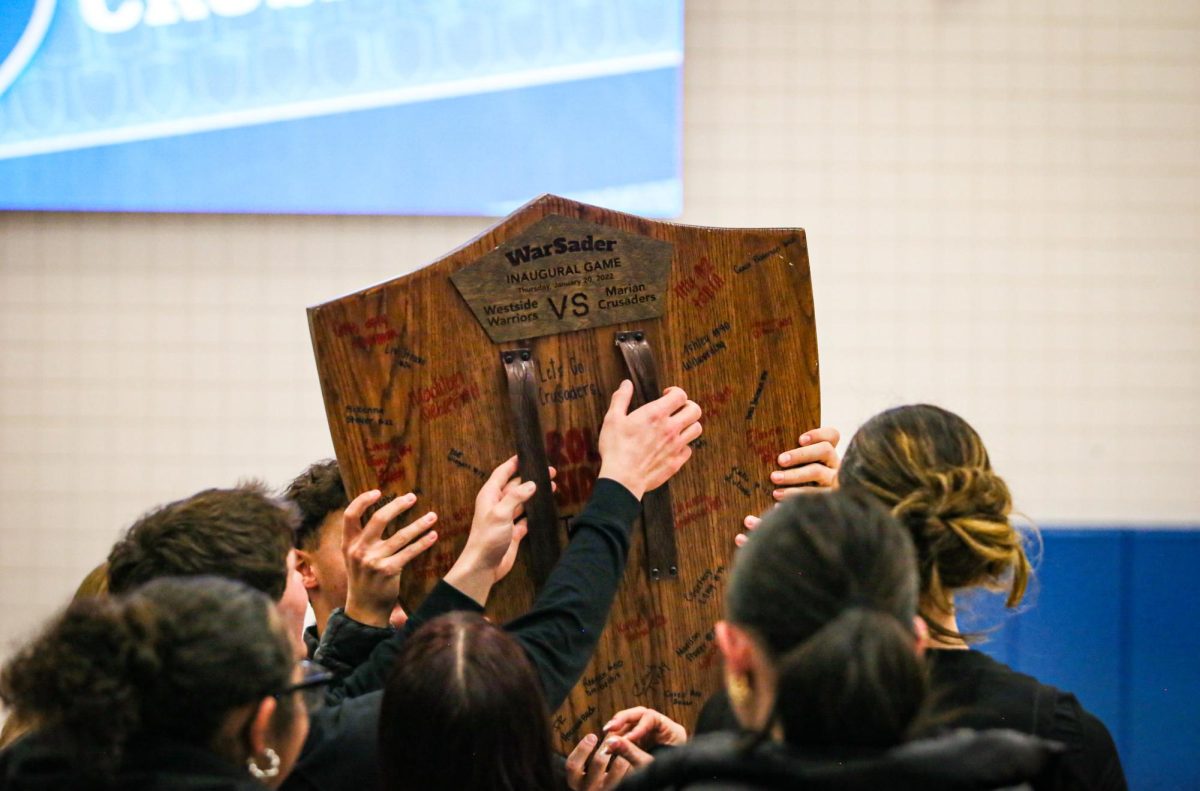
(371,674)
(559,634)
(561,629)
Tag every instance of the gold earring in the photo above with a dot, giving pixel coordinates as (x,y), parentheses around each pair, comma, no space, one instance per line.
(739,690)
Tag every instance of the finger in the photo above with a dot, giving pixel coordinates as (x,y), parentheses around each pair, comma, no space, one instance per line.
(621,398)
(740,540)
(824,434)
(636,756)
(401,538)
(396,563)
(383,517)
(577,759)
(751,521)
(817,453)
(624,720)
(671,400)
(594,777)
(817,474)
(691,433)
(352,516)
(553,472)
(797,491)
(689,413)
(617,769)
(644,727)
(681,458)
(499,477)
(517,495)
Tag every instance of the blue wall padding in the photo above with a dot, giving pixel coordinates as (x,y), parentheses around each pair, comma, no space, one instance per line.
(1112,617)
(1163,708)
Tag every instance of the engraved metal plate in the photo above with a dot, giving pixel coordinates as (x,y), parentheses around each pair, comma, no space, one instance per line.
(564,274)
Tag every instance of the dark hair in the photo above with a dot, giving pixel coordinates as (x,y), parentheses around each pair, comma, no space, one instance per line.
(242,533)
(828,584)
(171,659)
(463,709)
(931,469)
(317,492)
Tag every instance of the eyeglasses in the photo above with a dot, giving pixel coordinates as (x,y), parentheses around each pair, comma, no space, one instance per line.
(311,685)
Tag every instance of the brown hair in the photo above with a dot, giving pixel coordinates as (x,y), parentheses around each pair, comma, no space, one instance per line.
(930,467)
(242,533)
(317,492)
(463,708)
(95,584)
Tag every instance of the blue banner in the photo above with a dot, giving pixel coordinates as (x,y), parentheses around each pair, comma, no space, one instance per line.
(363,106)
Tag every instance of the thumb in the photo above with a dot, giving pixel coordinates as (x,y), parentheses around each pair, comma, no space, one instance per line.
(621,399)
(637,757)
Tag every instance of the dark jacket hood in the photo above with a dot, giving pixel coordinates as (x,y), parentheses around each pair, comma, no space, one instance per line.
(958,760)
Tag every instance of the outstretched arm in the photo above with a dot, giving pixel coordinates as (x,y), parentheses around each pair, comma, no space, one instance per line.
(639,451)
(496,532)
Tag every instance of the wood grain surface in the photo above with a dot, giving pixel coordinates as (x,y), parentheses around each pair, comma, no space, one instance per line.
(416,397)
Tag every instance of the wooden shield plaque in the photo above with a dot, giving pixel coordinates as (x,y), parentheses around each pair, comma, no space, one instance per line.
(516,340)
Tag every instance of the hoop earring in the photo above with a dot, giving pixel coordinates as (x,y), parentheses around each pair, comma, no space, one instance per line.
(272,769)
(739,690)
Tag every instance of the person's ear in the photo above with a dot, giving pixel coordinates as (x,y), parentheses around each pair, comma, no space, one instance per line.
(922,631)
(260,725)
(308,571)
(737,648)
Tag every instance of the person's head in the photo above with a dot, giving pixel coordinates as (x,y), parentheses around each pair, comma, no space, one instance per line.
(463,709)
(242,533)
(821,636)
(19,723)
(320,498)
(930,468)
(202,661)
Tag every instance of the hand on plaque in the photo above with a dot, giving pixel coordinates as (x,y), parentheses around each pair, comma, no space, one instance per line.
(374,563)
(497,528)
(600,770)
(645,728)
(811,467)
(642,449)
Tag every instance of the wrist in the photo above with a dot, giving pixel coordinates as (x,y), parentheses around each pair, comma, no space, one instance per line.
(633,483)
(471,577)
(366,613)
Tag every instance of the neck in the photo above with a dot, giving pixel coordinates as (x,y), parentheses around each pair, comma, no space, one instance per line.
(948,621)
(321,610)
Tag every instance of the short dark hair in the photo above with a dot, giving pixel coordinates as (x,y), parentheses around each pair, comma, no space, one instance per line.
(463,709)
(172,658)
(242,533)
(317,492)
(828,583)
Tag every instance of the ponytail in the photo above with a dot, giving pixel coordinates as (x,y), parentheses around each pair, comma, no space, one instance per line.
(929,466)
(861,672)
(827,585)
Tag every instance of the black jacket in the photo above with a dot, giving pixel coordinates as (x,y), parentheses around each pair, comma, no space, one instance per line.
(960,760)
(559,634)
(345,644)
(40,762)
(972,690)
